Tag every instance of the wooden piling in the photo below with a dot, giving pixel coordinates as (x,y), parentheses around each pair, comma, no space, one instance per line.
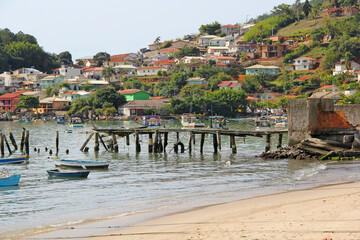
(215,144)
(151,143)
(86,142)
(137,143)
(2,149)
(13,142)
(156,142)
(202,141)
(27,146)
(233,144)
(7,144)
(102,142)
(165,141)
(114,143)
(96,142)
(190,141)
(22,140)
(127,139)
(268,142)
(57,142)
(218,139)
(280,141)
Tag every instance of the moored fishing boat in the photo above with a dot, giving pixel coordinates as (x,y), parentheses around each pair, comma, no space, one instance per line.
(152,121)
(19,159)
(218,122)
(191,121)
(67,174)
(81,164)
(7,180)
(76,122)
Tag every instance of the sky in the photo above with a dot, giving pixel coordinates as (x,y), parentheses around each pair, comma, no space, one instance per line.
(86,27)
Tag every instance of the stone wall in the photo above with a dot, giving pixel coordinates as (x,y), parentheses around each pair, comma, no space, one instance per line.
(298,121)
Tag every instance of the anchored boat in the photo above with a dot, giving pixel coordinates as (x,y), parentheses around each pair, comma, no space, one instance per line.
(81,164)
(19,159)
(7,180)
(67,174)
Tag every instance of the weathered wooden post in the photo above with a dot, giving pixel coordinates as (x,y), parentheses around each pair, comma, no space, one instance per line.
(127,139)
(13,142)
(151,143)
(218,139)
(137,143)
(202,141)
(22,140)
(160,145)
(177,137)
(280,140)
(233,143)
(2,149)
(57,142)
(86,142)
(27,147)
(96,142)
(215,144)
(7,144)
(102,142)
(165,141)
(190,141)
(268,142)
(156,142)
(114,143)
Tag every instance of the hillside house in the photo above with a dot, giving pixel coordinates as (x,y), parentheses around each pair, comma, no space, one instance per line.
(178,44)
(269,96)
(32,77)
(74,95)
(165,63)
(2,85)
(304,63)
(68,72)
(217,42)
(269,51)
(134,94)
(341,67)
(130,59)
(242,47)
(51,80)
(12,80)
(93,72)
(260,68)
(51,104)
(223,59)
(205,40)
(230,29)
(230,84)
(277,38)
(328,88)
(148,71)
(218,51)
(197,81)
(136,107)
(8,101)
(190,59)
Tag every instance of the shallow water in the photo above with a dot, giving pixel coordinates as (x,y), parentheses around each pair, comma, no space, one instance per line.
(145,182)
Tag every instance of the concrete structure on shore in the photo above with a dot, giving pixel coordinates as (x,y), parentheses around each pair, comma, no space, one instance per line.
(319,116)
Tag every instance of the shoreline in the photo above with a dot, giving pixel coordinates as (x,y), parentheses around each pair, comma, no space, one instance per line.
(281,215)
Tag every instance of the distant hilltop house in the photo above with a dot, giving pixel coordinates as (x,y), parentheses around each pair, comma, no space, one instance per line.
(148,71)
(256,69)
(204,41)
(230,29)
(304,63)
(12,80)
(128,59)
(197,81)
(235,85)
(174,44)
(93,72)
(165,63)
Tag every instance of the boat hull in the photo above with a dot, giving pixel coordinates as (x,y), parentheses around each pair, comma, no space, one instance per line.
(68,174)
(13,160)
(12,180)
(81,164)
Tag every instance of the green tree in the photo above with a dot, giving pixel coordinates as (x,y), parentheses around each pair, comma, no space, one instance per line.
(48,91)
(28,102)
(108,72)
(106,95)
(211,29)
(65,58)
(187,51)
(307,8)
(101,57)
(192,91)
(22,37)
(110,111)
(6,36)
(87,87)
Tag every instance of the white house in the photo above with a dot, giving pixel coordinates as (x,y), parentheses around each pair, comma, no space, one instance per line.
(304,63)
(2,85)
(218,42)
(147,71)
(340,67)
(205,40)
(12,80)
(189,59)
(230,29)
(68,72)
(218,51)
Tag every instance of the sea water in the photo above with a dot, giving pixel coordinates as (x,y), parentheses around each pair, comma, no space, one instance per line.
(136,184)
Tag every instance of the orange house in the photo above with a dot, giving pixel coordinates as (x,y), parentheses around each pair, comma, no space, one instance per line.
(51,104)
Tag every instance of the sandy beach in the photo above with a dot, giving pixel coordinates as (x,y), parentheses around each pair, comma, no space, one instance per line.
(326,212)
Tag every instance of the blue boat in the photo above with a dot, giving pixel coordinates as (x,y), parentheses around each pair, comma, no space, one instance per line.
(6,180)
(60,119)
(19,159)
(81,164)
(68,174)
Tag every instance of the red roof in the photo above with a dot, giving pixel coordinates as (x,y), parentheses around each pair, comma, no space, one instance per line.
(220,64)
(224,84)
(303,78)
(129,91)
(229,26)
(326,87)
(93,69)
(12,95)
(242,78)
(170,50)
(253,98)
(165,61)
(232,85)
(225,58)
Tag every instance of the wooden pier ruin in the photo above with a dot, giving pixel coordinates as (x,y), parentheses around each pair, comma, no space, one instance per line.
(158,138)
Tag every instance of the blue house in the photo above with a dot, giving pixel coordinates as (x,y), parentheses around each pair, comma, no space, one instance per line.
(260,68)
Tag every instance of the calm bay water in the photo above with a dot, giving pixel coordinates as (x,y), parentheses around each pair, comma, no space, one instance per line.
(145,182)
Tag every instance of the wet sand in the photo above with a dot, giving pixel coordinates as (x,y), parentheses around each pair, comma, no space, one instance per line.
(318,213)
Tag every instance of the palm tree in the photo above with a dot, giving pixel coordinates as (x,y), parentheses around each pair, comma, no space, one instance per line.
(108,72)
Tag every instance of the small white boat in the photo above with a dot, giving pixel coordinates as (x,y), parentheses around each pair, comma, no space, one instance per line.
(81,164)
(191,121)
